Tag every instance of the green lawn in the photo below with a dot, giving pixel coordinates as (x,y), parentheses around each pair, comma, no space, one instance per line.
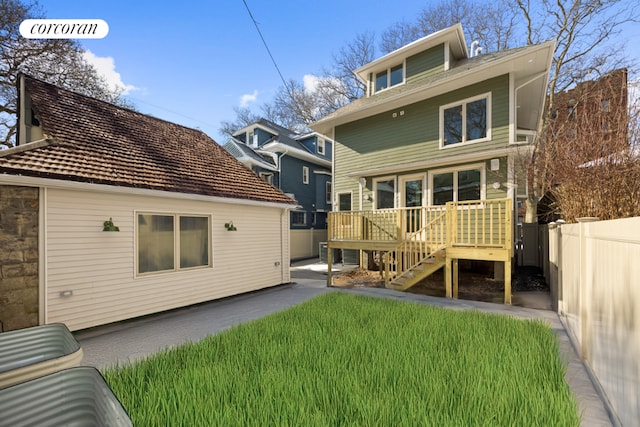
(343,359)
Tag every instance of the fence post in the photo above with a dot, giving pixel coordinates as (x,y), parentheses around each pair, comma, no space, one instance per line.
(554,262)
(585,301)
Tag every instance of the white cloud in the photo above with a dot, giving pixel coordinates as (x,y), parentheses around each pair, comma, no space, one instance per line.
(106,67)
(310,82)
(248,98)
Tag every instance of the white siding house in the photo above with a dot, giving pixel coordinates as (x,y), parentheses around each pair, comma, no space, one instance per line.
(172,200)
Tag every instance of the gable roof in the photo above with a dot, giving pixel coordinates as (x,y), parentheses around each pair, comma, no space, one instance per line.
(93,141)
(453,35)
(528,64)
(242,152)
(284,141)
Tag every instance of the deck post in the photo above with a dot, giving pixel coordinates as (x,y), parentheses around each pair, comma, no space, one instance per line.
(507,281)
(447,277)
(329,264)
(455,278)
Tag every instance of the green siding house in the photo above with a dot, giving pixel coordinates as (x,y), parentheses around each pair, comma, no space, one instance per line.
(437,124)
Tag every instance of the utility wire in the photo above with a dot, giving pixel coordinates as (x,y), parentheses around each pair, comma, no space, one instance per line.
(275,64)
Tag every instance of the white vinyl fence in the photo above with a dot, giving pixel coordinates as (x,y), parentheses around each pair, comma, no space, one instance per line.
(595,270)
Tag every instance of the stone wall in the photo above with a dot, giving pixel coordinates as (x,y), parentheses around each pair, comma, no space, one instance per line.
(18,257)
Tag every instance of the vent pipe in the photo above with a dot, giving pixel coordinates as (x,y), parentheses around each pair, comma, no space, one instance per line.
(475,49)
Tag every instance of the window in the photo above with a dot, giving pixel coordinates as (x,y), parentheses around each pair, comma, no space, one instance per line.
(344,201)
(320,146)
(170,242)
(389,77)
(305,175)
(457,185)
(328,192)
(466,121)
(385,191)
(298,218)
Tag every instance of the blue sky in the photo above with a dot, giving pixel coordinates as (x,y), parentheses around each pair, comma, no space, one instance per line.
(191,62)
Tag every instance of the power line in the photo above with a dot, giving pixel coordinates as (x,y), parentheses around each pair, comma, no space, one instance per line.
(255,23)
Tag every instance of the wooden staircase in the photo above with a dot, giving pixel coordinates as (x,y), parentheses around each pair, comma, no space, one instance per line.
(415,242)
(425,268)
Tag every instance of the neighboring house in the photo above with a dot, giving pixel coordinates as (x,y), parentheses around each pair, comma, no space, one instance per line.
(593,119)
(299,165)
(109,214)
(593,105)
(436,125)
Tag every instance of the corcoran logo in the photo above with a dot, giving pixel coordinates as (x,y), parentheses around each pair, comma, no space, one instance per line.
(64,28)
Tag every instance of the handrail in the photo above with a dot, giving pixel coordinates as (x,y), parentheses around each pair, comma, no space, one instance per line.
(418,246)
(416,233)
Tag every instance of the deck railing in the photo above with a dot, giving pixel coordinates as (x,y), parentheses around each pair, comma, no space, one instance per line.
(406,236)
(382,225)
(480,223)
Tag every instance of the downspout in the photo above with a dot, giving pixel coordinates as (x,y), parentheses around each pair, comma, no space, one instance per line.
(42,257)
(282,267)
(284,211)
(286,150)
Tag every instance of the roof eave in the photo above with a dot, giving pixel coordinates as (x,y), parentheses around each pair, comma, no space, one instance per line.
(295,152)
(453,34)
(470,76)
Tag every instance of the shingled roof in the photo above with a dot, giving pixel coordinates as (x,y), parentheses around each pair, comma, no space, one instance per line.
(92,141)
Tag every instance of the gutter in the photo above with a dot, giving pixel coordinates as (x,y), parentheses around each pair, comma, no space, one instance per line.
(28,181)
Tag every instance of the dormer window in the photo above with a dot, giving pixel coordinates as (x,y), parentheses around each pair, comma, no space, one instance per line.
(252,139)
(320,146)
(389,77)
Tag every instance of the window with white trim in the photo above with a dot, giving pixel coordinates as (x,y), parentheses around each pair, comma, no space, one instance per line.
(456,185)
(328,187)
(305,174)
(298,218)
(171,242)
(344,201)
(466,122)
(390,77)
(384,192)
(320,146)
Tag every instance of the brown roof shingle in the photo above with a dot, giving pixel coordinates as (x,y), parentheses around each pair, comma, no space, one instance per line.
(94,141)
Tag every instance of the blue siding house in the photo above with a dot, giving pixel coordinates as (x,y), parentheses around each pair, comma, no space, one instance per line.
(299,165)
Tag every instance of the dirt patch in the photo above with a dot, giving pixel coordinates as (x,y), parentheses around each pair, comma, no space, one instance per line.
(358,277)
(472,285)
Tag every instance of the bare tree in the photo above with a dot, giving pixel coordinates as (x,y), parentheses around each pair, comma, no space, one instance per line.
(244,117)
(493,24)
(584,33)
(594,168)
(56,61)
(345,85)
(296,104)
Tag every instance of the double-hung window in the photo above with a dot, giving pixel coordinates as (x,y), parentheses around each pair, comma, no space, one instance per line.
(466,122)
(390,77)
(305,174)
(171,242)
(320,146)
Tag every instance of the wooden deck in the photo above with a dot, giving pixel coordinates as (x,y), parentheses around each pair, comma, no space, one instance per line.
(415,242)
